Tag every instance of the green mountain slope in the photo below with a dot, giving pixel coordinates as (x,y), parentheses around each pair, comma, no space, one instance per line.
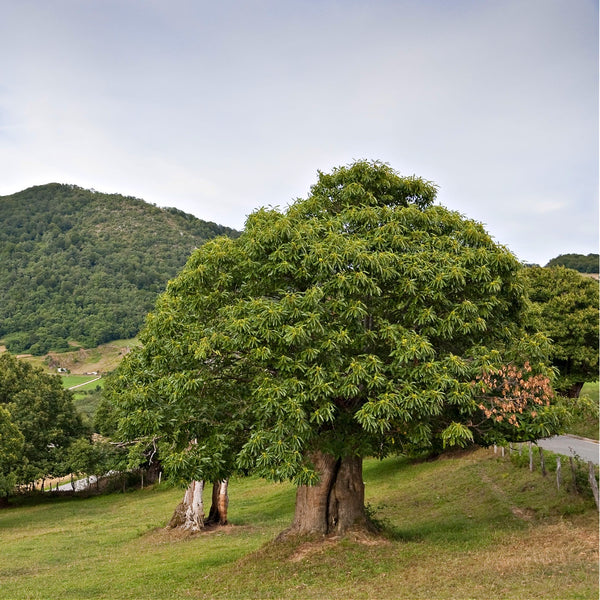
(579,262)
(80,265)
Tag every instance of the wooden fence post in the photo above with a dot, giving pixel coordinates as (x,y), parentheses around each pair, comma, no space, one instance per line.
(573,473)
(530,456)
(593,482)
(558,473)
(542,463)
(502,451)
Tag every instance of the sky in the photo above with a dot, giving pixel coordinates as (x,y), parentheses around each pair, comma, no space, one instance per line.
(219,108)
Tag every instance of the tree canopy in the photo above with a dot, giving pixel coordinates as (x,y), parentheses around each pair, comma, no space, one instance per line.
(578,262)
(565,307)
(38,423)
(363,320)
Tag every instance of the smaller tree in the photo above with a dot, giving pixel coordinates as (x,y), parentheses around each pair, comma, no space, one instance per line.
(152,407)
(11,447)
(565,308)
(43,411)
(92,458)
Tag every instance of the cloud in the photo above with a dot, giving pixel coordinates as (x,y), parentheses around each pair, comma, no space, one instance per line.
(221,108)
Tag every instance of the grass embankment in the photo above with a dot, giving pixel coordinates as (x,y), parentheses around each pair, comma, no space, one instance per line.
(465,526)
(80,382)
(587,425)
(86,393)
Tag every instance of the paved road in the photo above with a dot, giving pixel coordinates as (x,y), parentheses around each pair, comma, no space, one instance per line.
(570,445)
(80,485)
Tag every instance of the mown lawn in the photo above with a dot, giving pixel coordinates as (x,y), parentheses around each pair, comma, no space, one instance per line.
(70,381)
(470,525)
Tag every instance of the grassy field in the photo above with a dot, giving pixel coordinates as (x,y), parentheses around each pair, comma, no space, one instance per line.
(587,425)
(470,525)
(70,381)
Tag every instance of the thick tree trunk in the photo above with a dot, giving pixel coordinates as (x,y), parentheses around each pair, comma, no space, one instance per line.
(220,502)
(574,390)
(336,504)
(189,513)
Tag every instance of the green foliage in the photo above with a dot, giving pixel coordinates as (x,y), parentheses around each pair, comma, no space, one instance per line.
(35,408)
(11,447)
(96,457)
(578,262)
(585,421)
(354,323)
(565,307)
(80,265)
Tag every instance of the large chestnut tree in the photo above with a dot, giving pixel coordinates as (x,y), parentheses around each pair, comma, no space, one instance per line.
(361,321)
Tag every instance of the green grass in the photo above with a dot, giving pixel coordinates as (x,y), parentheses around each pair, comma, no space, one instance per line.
(587,424)
(69,381)
(465,526)
(87,403)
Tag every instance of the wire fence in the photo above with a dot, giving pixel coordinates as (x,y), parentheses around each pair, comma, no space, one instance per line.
(581,477)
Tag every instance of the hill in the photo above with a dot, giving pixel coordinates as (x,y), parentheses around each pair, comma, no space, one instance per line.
(81,265)
(578,262)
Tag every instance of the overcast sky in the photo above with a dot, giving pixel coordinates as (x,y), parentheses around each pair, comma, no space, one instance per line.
(221,107)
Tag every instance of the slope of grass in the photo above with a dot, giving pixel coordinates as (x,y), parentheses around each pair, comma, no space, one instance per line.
(70,381)
(87,403)
(466,526)
(587,424)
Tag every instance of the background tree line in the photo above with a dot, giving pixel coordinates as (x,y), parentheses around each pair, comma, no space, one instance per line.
(578,262)
(80,265)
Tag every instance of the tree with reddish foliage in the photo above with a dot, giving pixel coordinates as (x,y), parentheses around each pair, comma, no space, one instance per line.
(362,321)
(510,399)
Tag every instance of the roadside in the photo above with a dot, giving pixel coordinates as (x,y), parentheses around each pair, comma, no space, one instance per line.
(572,445)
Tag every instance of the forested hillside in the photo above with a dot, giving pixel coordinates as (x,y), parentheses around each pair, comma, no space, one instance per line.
(579,262)
(81,265)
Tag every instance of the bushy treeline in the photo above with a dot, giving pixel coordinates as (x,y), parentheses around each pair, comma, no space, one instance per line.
(80,265)
(564,305)
(38,426)
(578,262)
